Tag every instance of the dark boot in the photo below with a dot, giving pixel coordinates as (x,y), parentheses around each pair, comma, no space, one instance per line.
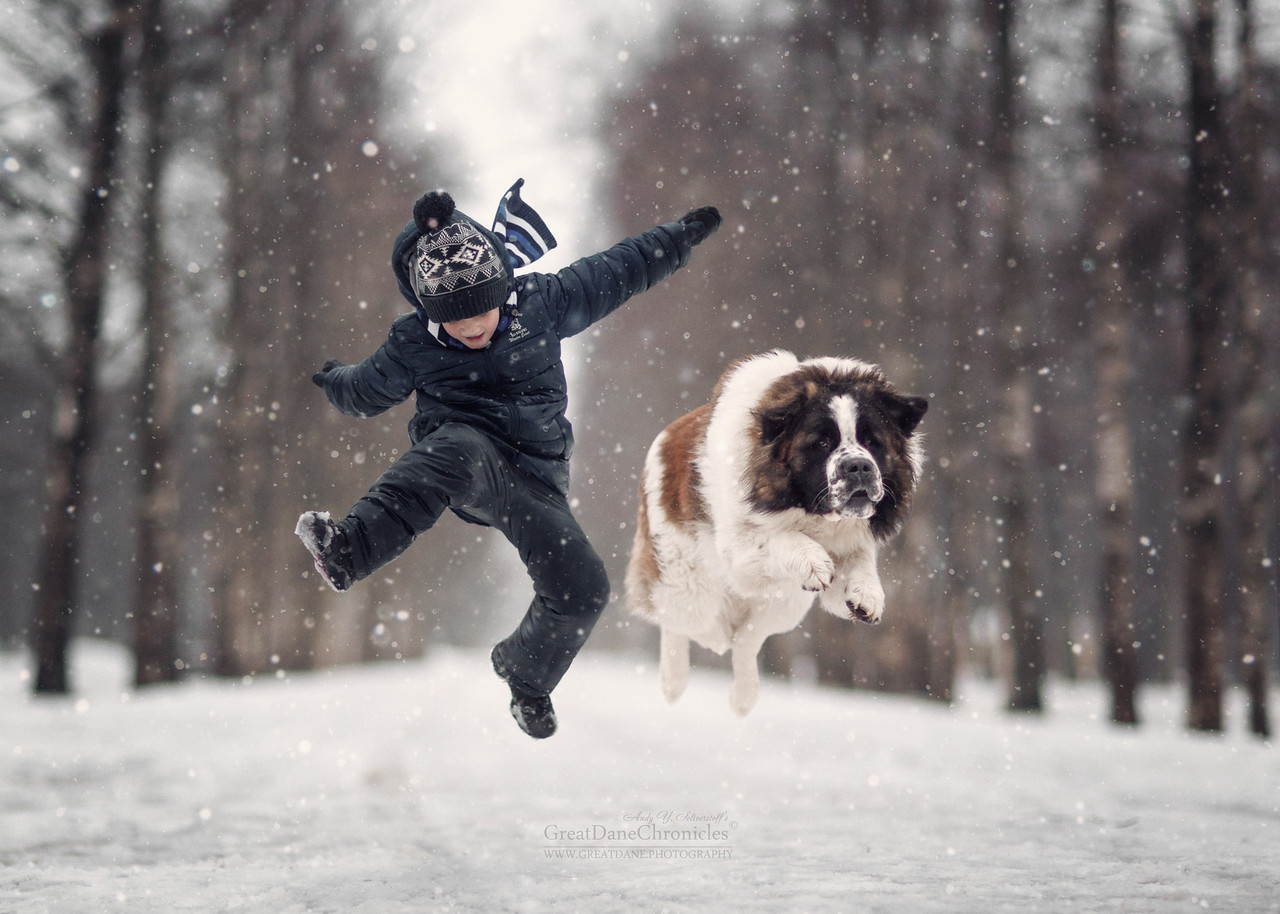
(329,547)
(533,713)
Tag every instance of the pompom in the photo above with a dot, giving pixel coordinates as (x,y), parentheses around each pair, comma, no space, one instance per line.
(432,211)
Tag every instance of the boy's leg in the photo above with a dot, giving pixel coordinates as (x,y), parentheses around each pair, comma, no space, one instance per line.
(569,581)
(447,468)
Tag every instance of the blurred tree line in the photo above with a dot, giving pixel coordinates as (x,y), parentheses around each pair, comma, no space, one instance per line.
(198,207)
(1053,223)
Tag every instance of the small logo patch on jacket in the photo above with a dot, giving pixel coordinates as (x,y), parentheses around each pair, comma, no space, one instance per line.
(517,331)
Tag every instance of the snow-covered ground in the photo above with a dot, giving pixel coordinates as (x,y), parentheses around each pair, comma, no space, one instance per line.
(407,788)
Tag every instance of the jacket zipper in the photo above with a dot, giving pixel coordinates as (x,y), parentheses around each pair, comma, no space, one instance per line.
(494,381)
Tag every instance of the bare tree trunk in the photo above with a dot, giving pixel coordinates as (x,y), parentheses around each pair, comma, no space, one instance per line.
(1208,286)
(1256,492)
(1113,446)
(297,93)
(314,134)
(155,615)
(85,269)
(256,163)
(1017,426)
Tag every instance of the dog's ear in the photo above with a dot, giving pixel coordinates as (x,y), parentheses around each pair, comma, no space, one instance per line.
(784,410)
(906,412)
(774,422)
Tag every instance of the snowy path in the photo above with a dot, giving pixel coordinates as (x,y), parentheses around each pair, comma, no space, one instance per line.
(408,789)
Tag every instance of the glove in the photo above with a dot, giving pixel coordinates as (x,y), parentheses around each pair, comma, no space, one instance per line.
(701,223)
(329,365)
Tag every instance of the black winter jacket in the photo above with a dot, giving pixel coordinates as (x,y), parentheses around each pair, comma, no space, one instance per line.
(514,389)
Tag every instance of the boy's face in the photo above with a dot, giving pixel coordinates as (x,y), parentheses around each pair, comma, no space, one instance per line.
(474,332)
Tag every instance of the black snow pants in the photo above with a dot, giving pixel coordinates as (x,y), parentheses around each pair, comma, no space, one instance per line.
(460,468)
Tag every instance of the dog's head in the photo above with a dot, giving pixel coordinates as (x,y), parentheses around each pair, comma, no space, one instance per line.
(835,439)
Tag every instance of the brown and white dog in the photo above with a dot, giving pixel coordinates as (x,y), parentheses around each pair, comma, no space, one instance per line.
(784,485)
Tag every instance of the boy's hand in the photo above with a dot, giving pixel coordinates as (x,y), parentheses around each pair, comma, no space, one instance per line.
(701,223)
(329,365)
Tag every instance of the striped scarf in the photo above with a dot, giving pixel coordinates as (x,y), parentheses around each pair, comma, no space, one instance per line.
(523,233)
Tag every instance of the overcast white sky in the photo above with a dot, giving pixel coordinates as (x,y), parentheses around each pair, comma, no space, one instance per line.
(515,88)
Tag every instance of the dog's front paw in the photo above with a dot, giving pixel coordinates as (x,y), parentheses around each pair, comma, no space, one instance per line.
(814,568)
(865,601)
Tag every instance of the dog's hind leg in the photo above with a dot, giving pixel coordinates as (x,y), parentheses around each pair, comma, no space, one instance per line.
(746,674)
(673,663)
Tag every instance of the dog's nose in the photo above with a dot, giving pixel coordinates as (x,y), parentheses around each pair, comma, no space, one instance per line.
(860,472)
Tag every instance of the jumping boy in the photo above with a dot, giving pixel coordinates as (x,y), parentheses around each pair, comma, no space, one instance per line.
(490,440)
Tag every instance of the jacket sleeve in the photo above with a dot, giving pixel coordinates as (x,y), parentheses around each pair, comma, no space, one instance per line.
(373,386)
(593,287)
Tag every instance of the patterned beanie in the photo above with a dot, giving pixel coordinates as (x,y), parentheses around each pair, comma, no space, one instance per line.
(456,269)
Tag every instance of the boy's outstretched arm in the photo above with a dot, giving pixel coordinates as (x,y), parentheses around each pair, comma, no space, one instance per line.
(373,386)
(594,286)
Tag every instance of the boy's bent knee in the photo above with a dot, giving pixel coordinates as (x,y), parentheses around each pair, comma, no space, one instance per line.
(454,443)
(576,585)
(456,463)
(594,586)
(590,589)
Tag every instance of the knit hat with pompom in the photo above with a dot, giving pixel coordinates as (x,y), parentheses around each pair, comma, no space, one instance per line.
(456,270)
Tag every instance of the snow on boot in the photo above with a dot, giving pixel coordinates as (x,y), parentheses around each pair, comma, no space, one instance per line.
(533,713)
(328,546)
